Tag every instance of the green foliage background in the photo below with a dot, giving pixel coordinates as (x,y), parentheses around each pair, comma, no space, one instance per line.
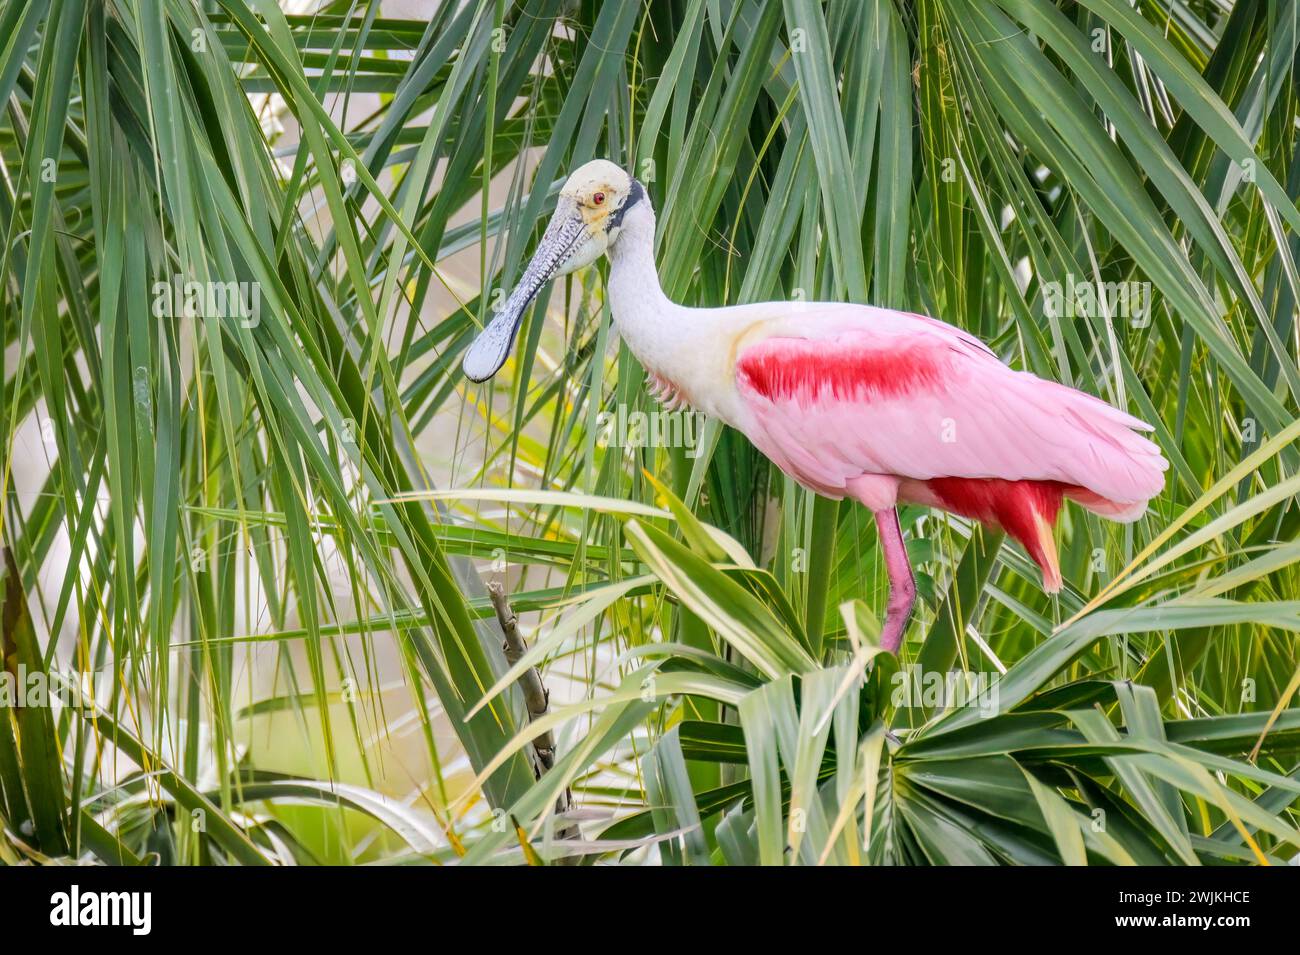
(252,553)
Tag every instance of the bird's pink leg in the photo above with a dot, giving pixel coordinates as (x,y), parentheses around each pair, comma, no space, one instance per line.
(902,587)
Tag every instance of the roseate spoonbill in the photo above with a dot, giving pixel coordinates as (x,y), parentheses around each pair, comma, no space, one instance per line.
(850,400)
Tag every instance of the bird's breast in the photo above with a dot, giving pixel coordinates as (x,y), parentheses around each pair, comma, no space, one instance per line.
(668,392)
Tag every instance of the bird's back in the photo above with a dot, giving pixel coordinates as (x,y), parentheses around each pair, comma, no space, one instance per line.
(836,391)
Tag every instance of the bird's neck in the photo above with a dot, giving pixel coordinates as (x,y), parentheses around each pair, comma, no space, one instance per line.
(685,351)
(651,324)
(635,294)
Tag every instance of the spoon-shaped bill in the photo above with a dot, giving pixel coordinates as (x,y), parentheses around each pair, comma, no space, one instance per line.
(566,233)
(492,346)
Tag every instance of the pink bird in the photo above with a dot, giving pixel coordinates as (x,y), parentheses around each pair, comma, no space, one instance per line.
(875,405)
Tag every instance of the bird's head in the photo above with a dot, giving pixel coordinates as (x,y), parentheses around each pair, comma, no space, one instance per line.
(587,221)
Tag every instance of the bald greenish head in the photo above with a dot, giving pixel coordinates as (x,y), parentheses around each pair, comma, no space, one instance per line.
(587,220)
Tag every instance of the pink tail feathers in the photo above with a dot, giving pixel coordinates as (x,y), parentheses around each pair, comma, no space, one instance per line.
(1115,470)
(1124,512)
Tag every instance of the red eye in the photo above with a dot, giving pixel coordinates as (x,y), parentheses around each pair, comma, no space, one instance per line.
(598,198)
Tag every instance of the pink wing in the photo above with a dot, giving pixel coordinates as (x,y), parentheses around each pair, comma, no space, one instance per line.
(857,390)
